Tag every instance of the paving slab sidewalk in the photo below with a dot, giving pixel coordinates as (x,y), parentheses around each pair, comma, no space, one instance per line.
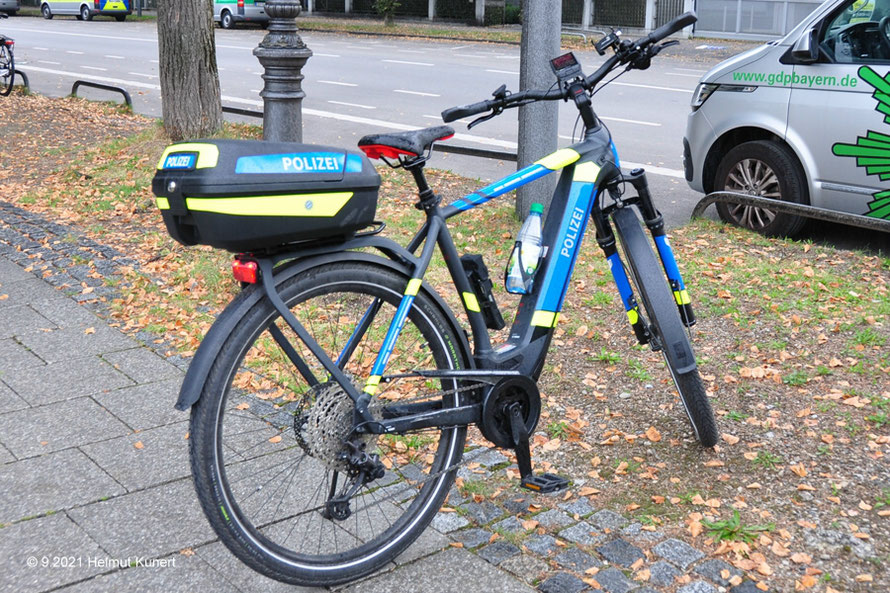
(95,493)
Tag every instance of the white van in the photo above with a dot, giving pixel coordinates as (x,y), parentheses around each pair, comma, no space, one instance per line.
(230,12)
(85,10)
(803,119)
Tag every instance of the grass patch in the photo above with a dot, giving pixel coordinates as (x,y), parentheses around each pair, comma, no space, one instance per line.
(733,529)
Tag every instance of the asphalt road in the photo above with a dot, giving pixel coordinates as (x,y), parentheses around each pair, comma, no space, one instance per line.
(356,85)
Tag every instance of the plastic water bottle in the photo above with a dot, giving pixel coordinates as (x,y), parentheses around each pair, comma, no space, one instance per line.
(526,253)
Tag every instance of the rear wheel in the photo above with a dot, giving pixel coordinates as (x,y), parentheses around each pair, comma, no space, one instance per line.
(266,444)
(7,70)
(120,18)
(85,14)
(664,318)
(766,169)
(226,20)
(46,11)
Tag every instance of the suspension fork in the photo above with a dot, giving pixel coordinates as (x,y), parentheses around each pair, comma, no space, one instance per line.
(655,222)
(606,240)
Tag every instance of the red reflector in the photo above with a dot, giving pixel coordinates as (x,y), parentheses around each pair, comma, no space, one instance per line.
(375,151)
(245,271)
(96,4)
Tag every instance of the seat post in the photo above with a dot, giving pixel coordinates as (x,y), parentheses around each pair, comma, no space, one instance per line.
(428,198)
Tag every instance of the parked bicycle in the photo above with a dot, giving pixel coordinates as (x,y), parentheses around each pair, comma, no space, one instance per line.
(330,400)
(7,63)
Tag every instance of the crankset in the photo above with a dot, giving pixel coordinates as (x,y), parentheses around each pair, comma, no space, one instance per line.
(510,412)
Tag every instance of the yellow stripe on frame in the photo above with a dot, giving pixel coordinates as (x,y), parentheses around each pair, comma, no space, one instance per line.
(371,385)
(163,204)
(586,172)
(559,159)
(471,302)
(413,287)
(316,205)
(208,154)
(544,319)
(633,316)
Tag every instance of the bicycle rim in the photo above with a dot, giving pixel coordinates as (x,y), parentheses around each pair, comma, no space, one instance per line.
(269,442)
(648,278)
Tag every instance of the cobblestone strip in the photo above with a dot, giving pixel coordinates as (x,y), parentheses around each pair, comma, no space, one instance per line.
(72,262)
(564,547)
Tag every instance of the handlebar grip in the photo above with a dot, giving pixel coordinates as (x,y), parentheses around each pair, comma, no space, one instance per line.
(682,21)
(455,113)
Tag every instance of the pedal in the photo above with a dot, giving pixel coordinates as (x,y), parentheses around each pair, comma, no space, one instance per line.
(544,483)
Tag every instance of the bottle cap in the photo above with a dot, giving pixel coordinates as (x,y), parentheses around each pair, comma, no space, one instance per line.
(537,208)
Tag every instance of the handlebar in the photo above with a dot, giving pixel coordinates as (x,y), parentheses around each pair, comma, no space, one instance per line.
(624,52)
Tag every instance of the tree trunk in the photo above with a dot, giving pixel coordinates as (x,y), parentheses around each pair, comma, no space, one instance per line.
(187,63)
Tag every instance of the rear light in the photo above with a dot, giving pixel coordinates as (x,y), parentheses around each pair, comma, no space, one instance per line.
(96,4)
(245,271)
(10,43)
(240,3)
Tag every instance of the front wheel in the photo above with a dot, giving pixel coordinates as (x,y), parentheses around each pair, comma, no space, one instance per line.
(7,70)
(267,437)
(766,169)
(664,318)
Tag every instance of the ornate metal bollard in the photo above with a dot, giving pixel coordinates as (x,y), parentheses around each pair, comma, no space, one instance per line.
(282,54)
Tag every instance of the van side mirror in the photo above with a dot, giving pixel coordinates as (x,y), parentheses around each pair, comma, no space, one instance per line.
(806,49)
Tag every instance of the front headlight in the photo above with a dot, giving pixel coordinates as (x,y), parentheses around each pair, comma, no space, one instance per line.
(702,92)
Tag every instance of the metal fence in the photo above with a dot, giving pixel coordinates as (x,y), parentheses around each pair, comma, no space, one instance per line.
(750,18)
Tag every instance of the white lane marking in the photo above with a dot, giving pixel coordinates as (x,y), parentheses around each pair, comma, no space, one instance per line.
(506,57)
(54,32)
(649,86)
(483,56)
(506,144)
(142,75)
(318,55)
(96,68)
(410,51)
(154,61)
(41,48)
(503,72)
(691,70)
(409,63)
(257,91)
(48,62)
(630,121)
(352,105)
(439,118)
(363,47)
(338,83)
(683,74)
(115,57)
(76,53)
(418,93)
(459,47)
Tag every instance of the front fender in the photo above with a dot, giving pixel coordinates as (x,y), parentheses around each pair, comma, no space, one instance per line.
(210,346)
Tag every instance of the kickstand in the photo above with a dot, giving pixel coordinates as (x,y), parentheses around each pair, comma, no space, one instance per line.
(528,480)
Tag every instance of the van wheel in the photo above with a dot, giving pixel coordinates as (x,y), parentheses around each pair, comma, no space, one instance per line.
(767,169)
(226,21)
(47,12)
(120,18)
(85,14)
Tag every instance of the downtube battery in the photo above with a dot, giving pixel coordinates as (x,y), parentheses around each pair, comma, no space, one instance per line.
(480,281)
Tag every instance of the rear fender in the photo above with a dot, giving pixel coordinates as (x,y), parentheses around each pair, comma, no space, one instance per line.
(212,343)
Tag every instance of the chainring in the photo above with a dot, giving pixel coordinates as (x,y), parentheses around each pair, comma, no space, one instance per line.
(495,424)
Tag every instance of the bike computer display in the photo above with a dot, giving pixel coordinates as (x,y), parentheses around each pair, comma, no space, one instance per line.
(566,67)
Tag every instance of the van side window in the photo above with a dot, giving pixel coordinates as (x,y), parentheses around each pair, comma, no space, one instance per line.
(859,33)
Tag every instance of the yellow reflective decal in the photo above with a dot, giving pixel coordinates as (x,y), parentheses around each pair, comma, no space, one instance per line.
(633,316)
(114,6)
(413,287)
(544,319)
(208,154)
(682,297)
(163,204)
(316,205)
(471,302)
(559,159)
(371,385)
(586,172)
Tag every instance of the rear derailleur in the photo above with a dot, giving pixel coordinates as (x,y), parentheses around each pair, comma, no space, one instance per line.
(362,468)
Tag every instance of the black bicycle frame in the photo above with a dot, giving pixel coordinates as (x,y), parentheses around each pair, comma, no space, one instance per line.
(588,168)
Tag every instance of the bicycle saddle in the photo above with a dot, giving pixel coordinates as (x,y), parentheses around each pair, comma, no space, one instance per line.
(411,143)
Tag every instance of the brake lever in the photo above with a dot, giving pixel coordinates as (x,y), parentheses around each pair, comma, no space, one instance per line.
(495,112)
